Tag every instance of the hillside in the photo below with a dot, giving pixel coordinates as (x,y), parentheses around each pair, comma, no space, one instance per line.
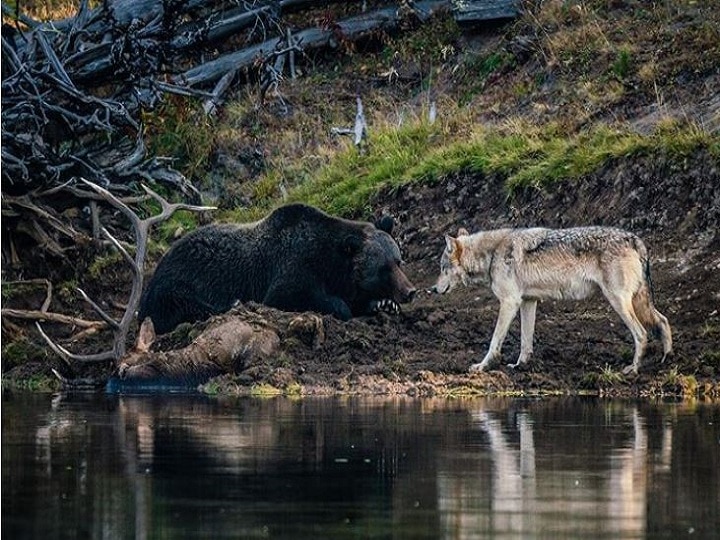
(577,113)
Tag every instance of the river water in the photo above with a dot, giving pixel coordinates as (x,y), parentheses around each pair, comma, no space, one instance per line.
(106,467)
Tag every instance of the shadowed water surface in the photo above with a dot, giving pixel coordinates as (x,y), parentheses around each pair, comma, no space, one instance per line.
(172,467)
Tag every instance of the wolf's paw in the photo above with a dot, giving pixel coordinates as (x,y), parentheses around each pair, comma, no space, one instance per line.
(477,368)
(630,370)
(385,305)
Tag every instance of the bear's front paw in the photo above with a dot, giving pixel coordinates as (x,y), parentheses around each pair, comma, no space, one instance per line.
(386,305)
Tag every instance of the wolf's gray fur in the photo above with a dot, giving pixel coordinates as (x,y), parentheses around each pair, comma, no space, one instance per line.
(523,266)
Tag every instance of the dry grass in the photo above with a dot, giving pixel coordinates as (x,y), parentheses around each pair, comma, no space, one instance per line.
(45,10)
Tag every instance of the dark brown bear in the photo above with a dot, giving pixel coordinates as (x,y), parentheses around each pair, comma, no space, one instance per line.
(295,259)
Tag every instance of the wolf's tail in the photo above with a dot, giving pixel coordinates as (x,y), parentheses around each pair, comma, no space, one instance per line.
(643,301)
(644,306)
(649,281)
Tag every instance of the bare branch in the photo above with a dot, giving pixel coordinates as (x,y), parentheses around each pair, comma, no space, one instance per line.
(169,209)
(53,221)
(360,124)
(114,241)
(104,316)
(359,131)
(67,355)
(59,377)
(39,281)
(141,229)
(112,199)
(37,315)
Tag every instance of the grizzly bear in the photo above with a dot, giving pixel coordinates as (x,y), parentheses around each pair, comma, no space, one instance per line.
(295,259)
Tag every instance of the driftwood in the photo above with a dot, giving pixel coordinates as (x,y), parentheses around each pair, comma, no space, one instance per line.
(141,227)
(359,132)
(57,127)
(121,328)
(474,11)
(350,29)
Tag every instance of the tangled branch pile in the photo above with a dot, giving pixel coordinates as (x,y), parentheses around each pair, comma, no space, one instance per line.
(73,94)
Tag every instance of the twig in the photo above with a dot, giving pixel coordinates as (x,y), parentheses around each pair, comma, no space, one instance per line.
(39,315)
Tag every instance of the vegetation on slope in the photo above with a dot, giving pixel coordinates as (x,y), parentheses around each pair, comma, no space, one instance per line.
(552,95)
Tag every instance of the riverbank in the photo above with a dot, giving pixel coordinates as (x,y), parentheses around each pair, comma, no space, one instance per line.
(529,133)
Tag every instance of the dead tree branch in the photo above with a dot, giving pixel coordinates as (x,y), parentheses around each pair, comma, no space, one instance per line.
(141,229)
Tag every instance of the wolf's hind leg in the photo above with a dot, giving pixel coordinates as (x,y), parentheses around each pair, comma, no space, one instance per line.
(528,309)
(664,326)
(623,307)
(651,318)
(508,310)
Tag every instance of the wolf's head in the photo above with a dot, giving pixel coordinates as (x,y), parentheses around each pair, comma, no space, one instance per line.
(452,270)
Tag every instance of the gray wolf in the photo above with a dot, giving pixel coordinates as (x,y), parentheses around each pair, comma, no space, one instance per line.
(295,259)
(523,266)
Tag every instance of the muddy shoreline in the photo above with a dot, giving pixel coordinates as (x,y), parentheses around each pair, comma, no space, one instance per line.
(580,347)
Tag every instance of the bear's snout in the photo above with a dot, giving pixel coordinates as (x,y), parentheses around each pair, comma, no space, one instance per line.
(410,294)
(404,289)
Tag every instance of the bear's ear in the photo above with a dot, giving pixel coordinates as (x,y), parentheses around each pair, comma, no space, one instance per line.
(462,231)
(352,244)
(385,223)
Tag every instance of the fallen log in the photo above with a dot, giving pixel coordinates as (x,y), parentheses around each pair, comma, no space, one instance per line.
(351,29)
(474,11)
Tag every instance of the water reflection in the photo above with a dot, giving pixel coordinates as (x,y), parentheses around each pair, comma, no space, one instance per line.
(190,467)
(531,496)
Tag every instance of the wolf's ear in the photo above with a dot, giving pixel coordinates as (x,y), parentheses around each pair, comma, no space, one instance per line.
(450,243)
(453,246)
(385,223)
(462,231)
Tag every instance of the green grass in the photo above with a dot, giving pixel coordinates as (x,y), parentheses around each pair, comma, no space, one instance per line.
(23,350)
(622,65)
(608,376)
(674,380)
(527,156)
(179,128)
(265,390)
(35,383)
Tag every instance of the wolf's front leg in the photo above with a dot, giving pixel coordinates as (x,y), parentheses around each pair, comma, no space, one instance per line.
(508,310)
(528,309)
(489,359)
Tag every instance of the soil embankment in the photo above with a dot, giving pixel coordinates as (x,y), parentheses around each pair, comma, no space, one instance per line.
(674,204)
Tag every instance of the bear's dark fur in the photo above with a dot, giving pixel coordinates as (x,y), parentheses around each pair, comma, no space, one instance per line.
(296,259)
